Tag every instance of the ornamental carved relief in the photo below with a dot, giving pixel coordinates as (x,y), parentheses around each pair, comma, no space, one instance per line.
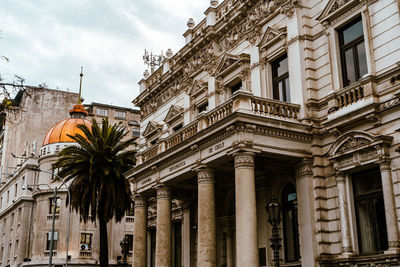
(205,175)
(244,159)
(304,169)
(353,142)
(140,202)
(163,193)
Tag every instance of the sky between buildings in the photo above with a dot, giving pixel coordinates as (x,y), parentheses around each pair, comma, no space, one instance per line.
(47,41)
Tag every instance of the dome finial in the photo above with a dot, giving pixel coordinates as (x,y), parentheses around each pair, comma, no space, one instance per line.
(80,87)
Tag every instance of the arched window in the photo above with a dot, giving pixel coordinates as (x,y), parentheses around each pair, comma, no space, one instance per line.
(290,225)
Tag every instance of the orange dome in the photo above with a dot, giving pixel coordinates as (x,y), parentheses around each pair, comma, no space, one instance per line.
(59,132)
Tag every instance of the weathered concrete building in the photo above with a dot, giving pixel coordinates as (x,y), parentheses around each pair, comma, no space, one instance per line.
(297,99)
(41,116)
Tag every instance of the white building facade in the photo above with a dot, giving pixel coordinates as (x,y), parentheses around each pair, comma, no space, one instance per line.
(294,99)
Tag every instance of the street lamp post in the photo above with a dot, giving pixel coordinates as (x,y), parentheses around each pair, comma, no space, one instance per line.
(54,214)
(273,211)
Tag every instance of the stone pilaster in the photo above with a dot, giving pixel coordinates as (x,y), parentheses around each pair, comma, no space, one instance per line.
(186,235)
(163,224)
(207,243)
(390,208)
(246,214)
(347,247)
(306,208)
(229,249)
(140,230)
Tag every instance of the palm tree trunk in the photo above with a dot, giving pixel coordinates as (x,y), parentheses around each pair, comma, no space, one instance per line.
(103,243)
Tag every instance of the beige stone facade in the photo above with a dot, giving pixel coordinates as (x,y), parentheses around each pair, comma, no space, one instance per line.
(298,99)
(25,210)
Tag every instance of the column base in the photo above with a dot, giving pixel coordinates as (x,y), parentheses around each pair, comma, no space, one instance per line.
(346,255)
(392,251)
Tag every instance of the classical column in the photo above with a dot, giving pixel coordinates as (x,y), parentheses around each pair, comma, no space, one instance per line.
(207,243)
(229,249)
(246,214)
(347,248)
(140,230)
(186,235)
(390,208)
(163,224)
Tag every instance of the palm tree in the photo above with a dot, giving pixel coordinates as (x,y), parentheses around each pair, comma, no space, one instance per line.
(95,169)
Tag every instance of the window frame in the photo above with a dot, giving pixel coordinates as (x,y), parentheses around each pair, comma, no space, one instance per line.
(89,245)
(352,45)
(99,112)
(58,205)
(48,240)
(277,79)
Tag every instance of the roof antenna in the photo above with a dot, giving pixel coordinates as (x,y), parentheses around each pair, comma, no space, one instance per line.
(80,87)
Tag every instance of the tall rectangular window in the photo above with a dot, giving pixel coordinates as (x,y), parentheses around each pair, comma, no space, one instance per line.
(102,112)
(51,205)
(370,211)
(120,114)
(152,247)
(86,241)
(352,52)
(280,79)
(131,211)
(48,240)
(178,244)
(15,190)
(130,242)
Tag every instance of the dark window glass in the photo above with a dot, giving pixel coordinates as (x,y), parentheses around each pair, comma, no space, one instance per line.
(178,127)
(178,244)
(131,211)
(203,107)
(48,240)
(352,52)
(290,224)
(280,79)
(262,256)
(51,205)
(152,247)
(130,242)
(370,211)
(236,87)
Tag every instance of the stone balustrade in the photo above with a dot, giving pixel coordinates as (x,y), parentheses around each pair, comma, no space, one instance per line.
(240,102)
(85,254)
(274,108)
(349,96)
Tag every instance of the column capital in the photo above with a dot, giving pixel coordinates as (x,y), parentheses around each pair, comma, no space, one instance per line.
(340,176)
(163,192)
(140,201)
(205,175)
(304,168)
(384,165)
(244,159)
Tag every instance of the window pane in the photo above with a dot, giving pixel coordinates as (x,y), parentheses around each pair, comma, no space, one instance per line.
(282,66)
(362,59)
(352,32)
(350,67)
(280,90)
(290,224)
(287,88)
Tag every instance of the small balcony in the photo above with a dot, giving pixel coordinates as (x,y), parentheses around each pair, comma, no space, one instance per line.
(85,254)
(50,217)
(129,219)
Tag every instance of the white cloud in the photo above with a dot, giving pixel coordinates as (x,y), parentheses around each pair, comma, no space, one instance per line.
(48,41)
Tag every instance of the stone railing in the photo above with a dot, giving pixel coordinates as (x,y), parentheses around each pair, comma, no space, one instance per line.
(47,254)
(50,217)
(85,254)
(181,135)
(240,102)
(220,112)
(270,107)
(349,96)
(129,219)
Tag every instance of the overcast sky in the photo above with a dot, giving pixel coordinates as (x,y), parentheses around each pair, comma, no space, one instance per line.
(47,41)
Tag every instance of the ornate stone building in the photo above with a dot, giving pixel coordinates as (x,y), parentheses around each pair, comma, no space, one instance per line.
(26,195)
(297,99)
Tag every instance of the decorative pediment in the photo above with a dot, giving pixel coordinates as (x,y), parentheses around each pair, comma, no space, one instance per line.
(151,129)
(358,147)
(173,114)
(230,62)
(197,88)
(271,36)
(335,8)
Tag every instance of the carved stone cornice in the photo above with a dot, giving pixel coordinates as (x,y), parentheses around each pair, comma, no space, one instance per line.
(384,165)
(205,175)
(163,192)
(244,159)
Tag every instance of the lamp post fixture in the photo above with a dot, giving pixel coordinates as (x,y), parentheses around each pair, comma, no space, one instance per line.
(273,210)
(124,250)
(54,213)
